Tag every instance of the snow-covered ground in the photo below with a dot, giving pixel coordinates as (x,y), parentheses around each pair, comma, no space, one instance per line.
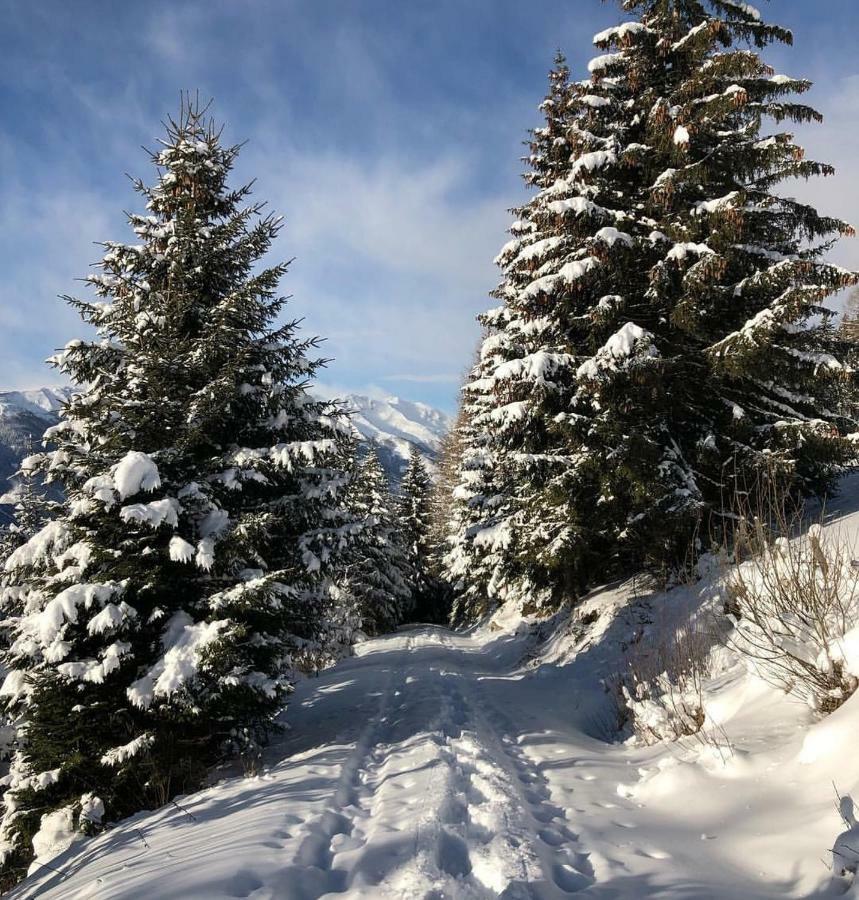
(444,766)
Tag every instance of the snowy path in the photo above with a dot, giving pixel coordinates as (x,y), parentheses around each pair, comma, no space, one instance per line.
(433,766)
(436,800)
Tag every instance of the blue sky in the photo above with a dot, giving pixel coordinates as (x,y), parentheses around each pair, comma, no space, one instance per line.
(387,132)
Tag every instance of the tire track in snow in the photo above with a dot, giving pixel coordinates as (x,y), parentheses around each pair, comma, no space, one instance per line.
(412,792)
(436,800)
(483,814)
(390,807)
(332,830)
(431,796)
(566,867)
(355,844)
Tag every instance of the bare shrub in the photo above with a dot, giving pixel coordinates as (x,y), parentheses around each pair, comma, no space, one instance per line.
(660,696)
(845,853)
(793,600)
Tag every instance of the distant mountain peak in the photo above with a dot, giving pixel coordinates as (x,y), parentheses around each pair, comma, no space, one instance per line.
(391,424)
(37,402)
(395,425)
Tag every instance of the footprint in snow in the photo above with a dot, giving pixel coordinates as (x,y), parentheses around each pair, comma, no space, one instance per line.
(242,884)
(570,879)
(452,856)
(342,843)
(551,837)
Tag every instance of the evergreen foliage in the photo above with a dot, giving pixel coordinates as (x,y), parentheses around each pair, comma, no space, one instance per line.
(476,544)
(662,338)
(162,612)
(380,569)
(30,512)
(447,476)
(415,515)
(430,597)
(31,509)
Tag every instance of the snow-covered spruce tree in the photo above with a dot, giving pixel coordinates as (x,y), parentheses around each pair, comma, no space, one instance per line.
(505,537)
(446,479)
(663,336)
(202,509)
(469,501)
(380,572)
(730,335)
(31,510)
(444,518)
(415,514)
(723,364)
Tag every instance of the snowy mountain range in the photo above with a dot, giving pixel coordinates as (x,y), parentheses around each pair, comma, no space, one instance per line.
(24,416)
(393,425)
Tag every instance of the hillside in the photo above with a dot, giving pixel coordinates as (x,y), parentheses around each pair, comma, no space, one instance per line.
(24,416)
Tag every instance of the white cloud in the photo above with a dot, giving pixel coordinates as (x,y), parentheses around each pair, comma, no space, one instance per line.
(394,258)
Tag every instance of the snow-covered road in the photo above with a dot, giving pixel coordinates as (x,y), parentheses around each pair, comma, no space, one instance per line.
(438,799)
(436,766)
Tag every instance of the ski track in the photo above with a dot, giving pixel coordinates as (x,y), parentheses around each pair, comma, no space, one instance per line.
(436,765)
(474,814)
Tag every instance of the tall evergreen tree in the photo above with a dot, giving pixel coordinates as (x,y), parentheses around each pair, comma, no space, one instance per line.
(32,509)
(447,477)
(415,517)
(476,546)
(510,457)
(380,572)
(731,361)
(202,511)
(431,595)
(663,338)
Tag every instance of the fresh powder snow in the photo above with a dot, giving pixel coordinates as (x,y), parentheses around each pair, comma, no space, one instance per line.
(481,764)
